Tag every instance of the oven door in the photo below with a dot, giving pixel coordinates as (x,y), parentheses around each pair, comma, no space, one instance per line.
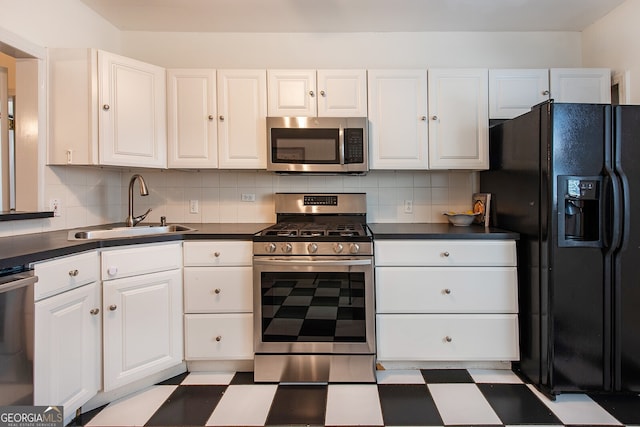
(311,305)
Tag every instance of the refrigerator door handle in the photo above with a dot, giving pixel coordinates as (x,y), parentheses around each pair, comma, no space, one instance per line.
(617,201)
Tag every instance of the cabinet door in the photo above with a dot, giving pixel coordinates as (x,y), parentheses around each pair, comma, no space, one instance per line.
(398,119)
(459,119)
(292,93)
(72,106)
(142,326)
(219,336)
(450,337)
(342,93)
(191,119)
(581,85)
(67,348)
(132,118)
(242,120)
(513,92)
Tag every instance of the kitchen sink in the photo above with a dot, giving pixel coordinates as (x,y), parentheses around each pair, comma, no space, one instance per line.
(121,232)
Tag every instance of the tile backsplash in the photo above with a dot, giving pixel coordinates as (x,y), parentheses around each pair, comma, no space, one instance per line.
(90,196)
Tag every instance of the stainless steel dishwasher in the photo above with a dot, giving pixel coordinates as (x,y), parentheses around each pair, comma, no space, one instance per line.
(16,336)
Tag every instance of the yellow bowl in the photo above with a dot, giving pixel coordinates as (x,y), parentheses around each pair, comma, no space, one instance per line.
(460,219)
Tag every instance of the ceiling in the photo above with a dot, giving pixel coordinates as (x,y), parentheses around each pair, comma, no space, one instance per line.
(351,15)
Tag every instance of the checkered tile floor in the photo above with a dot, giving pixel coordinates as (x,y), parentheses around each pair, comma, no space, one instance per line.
(401,398)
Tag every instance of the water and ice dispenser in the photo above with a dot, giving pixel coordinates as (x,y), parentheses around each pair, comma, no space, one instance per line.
(579,211)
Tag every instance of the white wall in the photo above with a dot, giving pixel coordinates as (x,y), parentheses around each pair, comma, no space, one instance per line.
(614,42)
(356,50)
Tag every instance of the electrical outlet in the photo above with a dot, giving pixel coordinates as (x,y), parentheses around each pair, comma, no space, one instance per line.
(194,206)
(248,197)
(55,207)
(408,206)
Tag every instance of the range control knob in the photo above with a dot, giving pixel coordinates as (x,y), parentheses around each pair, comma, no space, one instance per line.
(312,248)
(270,247)
(354,248)
(337,248)
(287,248)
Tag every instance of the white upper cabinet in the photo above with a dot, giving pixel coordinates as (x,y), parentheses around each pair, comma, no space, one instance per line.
(458,119)
(242,119)
(105,109)
(323,93)
(513,92)
(132,101)
(398,119)
(192,140)
(582,85)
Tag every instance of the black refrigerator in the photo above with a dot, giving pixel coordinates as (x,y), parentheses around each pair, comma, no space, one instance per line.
(567,178)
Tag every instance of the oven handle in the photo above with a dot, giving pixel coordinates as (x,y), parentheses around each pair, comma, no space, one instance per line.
(288,261)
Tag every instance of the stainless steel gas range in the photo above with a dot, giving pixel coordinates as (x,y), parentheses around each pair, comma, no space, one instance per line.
(313,291)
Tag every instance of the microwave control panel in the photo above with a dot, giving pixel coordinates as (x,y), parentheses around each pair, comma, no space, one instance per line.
(353,145)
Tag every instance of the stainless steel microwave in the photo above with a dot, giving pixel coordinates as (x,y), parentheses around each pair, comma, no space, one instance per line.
(318,145)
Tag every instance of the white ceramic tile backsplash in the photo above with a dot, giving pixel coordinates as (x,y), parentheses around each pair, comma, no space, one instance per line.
(91,196)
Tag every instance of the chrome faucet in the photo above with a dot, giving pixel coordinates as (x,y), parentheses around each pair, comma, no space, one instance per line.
(144,191)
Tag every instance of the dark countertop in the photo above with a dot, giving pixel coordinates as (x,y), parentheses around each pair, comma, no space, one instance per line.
(438,231)
(27,248)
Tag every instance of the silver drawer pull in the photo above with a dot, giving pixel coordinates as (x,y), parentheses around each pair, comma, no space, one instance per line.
(448,339)
(217,291)
(73,273)
(446,291)
(106,107)
(216,254)
(219,338)
(113,307)
(446,254)
(94,311)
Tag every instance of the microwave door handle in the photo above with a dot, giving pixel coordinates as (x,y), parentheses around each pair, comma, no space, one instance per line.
(341,144)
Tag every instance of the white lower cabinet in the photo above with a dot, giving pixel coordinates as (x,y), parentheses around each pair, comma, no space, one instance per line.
(218,296)
(68,323)
(447,337)
(142,326)
(446,300)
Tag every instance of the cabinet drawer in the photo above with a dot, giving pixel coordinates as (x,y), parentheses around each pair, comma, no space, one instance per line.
(446,290)
(65,273)
(440,337)
(219,336)
(219,290)
(140,259)
(446,253)
(218,252)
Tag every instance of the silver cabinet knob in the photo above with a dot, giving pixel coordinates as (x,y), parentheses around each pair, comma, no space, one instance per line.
(445,254)
(73,273)
(94,311)
(217,291)
(446,291)
(311,94)
(113,307)
(545,92)
(210,116)
(434,118)
(106,107)
(322,93)
(448,339)
(219,338)
(423,118)
(216,254)
(221,118)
